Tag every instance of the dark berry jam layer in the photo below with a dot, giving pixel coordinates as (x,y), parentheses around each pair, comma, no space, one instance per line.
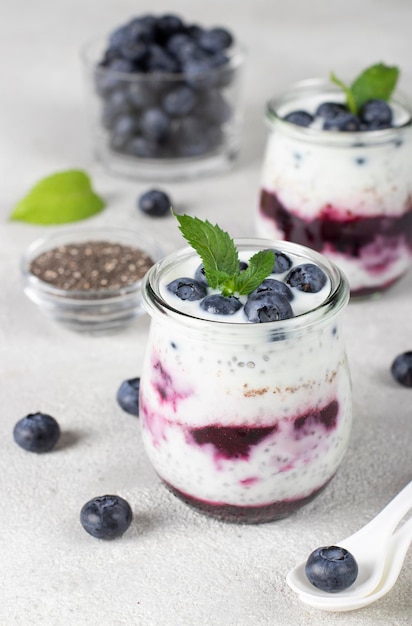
(246,514)
(350,236)
(236,442)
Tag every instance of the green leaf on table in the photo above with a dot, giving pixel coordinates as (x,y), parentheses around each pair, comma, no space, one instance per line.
(60,198)
(220,257)
(376,82)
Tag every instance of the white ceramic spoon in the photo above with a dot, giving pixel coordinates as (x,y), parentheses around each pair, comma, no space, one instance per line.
(397,549)
(369,546)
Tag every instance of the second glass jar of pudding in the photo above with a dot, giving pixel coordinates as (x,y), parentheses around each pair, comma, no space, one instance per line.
(347,195)
(246,422)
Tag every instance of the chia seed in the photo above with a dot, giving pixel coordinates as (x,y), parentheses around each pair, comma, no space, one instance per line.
(91,266)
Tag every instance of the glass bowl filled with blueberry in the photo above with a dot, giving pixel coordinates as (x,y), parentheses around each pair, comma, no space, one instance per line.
(165,98)
(336,175)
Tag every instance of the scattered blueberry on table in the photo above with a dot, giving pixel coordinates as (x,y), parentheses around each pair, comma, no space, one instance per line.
(331,569)
(37,432)
(128,396)
(155,203)
(401,369)
(106,517)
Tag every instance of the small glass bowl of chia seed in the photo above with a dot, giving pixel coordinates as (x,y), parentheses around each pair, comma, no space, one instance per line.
(89,279)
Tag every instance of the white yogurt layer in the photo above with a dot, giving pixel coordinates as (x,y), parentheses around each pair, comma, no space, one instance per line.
(366,180)
(196,382)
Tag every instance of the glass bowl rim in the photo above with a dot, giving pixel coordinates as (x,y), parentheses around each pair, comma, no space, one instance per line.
(119,235)
(333,303)
(333,137)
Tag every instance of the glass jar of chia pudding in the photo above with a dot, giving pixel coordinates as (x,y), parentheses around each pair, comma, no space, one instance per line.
(347,195)
(246,422)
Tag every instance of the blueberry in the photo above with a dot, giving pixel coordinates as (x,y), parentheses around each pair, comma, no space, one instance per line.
(142,95)
(106,517)
(401,369)
(307,277)
(267,306)
(220,305)
(148,21)
(191,137)
(122,66)
(155,124)
(159,60)
(187,289)
(300,118)
(176,42)
(331,569)
(186,50)
(143,148)
(135,51)
(168,25)
(282,263)
(180,101)
(194,31)
(200,275)
(213,107)
(345,122)
(271,284)
(376,114)
(117,103)
(215,39)
(123,129)
(125,125)
(37,432)
(128,396)
(154,202)
(200,73)
(119,36)
(142,29)
(330,110)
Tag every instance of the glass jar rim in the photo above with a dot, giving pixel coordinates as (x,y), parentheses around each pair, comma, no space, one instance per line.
(328,309)
(317,86)
(91,52)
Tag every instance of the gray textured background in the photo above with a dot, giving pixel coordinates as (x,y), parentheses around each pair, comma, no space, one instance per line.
(174,567)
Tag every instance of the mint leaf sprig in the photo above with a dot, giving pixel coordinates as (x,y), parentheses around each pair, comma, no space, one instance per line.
(376,82)
(220,257)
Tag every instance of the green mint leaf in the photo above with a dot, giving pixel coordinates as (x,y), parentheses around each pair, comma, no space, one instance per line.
(350,102)
(259,267)
(377,81)
(60,198)
(214,246)
(220,257)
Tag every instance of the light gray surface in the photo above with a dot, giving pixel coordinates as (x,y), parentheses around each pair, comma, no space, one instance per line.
(174,567)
